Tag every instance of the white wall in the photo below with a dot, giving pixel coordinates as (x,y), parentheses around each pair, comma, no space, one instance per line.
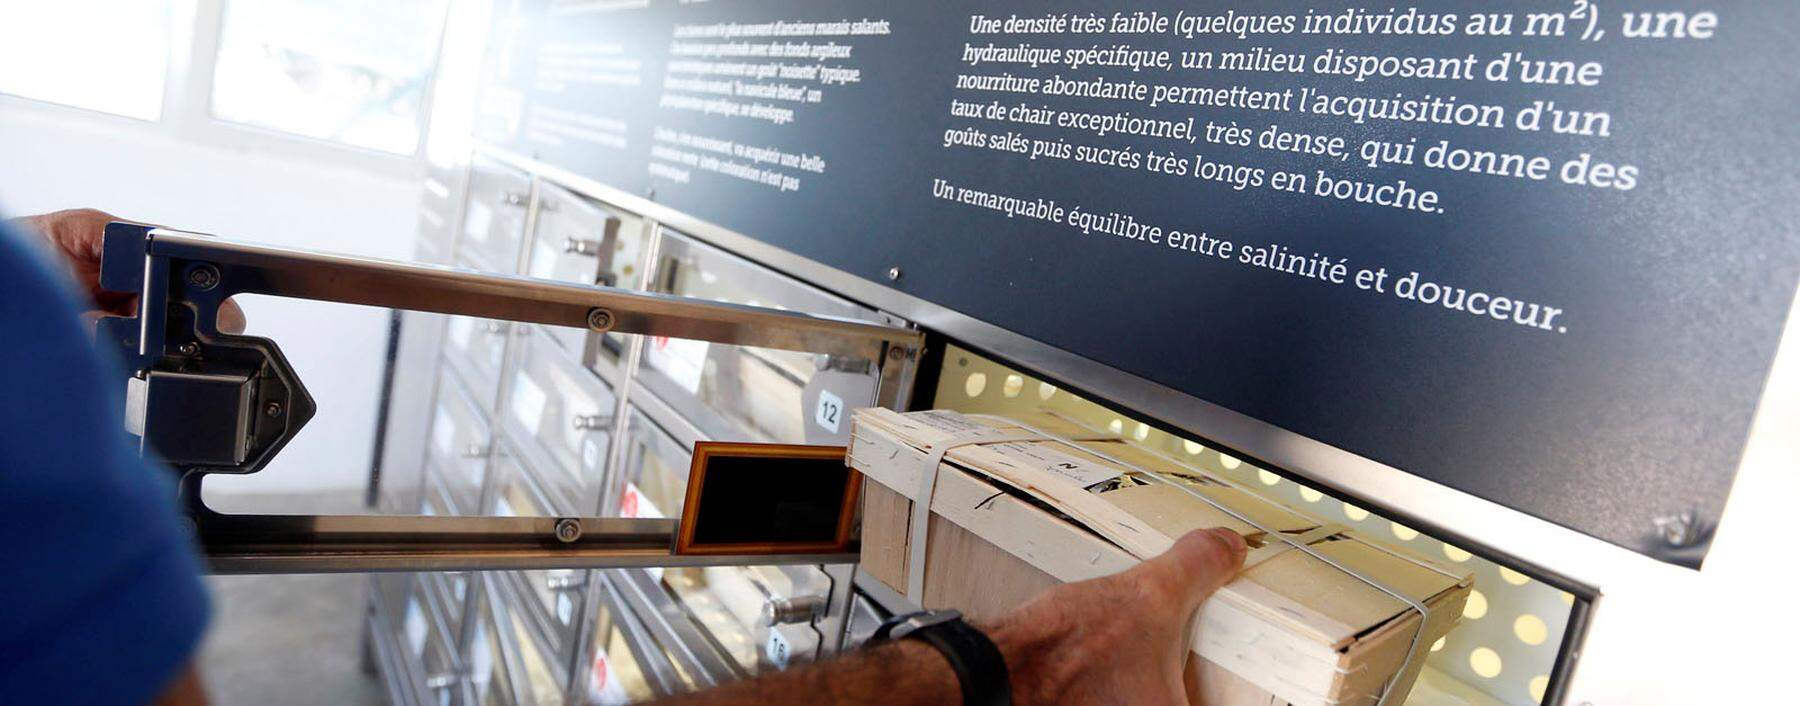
(53,158)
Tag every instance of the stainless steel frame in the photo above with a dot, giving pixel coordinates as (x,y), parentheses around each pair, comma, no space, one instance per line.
(307,543)
(348,279)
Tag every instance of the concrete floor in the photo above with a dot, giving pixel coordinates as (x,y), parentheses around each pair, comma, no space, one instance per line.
(295,639)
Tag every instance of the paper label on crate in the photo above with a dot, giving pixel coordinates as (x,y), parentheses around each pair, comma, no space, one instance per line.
(415,627)
(604,687)
(565,608)
(443,434)
(830,411)
(934,426)
(682,360)
(1080,471)
(479,220)
(527,402)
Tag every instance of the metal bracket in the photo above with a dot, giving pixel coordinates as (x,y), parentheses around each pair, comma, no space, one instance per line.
(209,402)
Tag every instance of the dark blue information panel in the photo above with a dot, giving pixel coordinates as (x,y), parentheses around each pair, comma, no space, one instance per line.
(1540,252)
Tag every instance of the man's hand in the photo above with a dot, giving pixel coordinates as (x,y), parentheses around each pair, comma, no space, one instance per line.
(79,236)
(1121,639)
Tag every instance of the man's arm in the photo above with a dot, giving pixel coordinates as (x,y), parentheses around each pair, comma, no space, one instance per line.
(1121,639)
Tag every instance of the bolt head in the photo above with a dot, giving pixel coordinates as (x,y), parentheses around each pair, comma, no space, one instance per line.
(893,274)
(273,409)
(189,349)
(600,319)
(203,277)
(567,530)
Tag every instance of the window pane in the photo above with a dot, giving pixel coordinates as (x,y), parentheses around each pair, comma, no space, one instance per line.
(352,71)
(106,55)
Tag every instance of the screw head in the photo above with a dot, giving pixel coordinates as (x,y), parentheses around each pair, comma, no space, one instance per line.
(272,409)
(893,274)
(599,319)
(567,530)
(189,349)
(203,277)
(1677,530)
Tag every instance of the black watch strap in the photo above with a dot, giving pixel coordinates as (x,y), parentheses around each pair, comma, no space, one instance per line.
(979,667)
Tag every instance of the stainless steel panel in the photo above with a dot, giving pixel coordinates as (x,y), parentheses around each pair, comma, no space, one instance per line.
(453,587)
(427,634)
(549,600)
(578,241)
(383,641)
(493,226)
(748,393)
(727,603)
(460,441)
(400,485)
(477,348)
(624,663)
(490,676)
(440,211)
(533,673)
(561,415)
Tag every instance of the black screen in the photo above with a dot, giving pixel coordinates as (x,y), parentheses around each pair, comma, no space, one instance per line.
(755,500)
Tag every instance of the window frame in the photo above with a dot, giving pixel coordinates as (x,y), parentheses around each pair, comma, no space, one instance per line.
(195,33)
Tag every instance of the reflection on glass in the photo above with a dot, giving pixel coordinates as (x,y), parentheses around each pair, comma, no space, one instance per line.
(105,55)
(341,70)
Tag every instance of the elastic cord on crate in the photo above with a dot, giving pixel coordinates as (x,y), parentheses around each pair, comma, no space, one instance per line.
(1413,651)
(919,532)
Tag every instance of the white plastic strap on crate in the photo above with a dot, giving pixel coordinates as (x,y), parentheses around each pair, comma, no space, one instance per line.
(1413,651)
(1271,549)
(919,531)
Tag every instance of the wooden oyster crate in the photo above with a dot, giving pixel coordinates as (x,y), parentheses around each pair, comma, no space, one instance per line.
(1319,617)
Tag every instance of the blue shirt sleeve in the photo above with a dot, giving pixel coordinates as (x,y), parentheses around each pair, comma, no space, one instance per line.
(101,600)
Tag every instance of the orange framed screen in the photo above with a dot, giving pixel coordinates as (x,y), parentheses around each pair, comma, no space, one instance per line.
(768,499)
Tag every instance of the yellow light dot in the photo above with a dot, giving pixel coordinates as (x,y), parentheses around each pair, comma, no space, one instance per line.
(1568,599)
(1439,645)
(1530,629)
(975,383)
(1141,432)
(1476,607)
(1192,448)
(1045,390)
(1116,425)
(1537,686)
(1355,513)
(1485,662)
(1406,534)
(1267,477)
(1310,495)
(1513,577)
(1229,461)
(1457,555)
(1013,385)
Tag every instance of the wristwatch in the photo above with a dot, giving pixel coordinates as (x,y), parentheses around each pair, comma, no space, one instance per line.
(977,662)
